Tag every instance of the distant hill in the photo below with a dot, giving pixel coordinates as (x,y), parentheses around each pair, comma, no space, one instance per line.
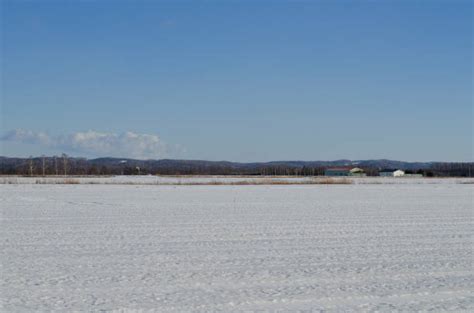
(111,166)
(164,163)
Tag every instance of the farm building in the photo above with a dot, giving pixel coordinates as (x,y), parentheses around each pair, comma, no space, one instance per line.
(357,172)
(337,171)
(344,171)
(391,173)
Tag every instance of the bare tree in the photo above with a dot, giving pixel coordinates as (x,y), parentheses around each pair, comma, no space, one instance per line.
(44,164)
(65,163)
(30,165)
(56,165)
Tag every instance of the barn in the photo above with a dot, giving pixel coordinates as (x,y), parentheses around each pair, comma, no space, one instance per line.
(356,171)
(337,171)
(391,173)
(344,171)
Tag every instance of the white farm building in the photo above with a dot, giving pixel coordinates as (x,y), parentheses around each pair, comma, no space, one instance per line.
(391,173)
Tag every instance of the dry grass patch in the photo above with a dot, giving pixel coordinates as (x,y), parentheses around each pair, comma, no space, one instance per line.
(185,182)
(324,181)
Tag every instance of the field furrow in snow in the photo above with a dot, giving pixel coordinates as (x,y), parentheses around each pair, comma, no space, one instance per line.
(201,248)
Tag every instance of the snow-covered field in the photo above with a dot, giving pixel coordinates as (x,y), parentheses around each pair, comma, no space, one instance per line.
(193,180)
(144,248)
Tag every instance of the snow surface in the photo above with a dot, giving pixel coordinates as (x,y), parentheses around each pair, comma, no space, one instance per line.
(400,247)
(210,179)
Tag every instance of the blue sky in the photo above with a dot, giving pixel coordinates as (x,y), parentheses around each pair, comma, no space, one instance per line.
(238,80)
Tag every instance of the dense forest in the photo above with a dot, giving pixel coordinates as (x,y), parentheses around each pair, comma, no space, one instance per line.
(66,165)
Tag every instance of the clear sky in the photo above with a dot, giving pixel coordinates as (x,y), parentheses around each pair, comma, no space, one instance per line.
(238,80)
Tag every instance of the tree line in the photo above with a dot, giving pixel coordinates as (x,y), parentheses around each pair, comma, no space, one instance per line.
(65,165)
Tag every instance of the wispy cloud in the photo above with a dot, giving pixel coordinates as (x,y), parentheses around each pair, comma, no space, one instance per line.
(93,143)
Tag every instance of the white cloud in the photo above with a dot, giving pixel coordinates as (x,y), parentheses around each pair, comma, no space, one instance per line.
(27,136)
(93,143)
